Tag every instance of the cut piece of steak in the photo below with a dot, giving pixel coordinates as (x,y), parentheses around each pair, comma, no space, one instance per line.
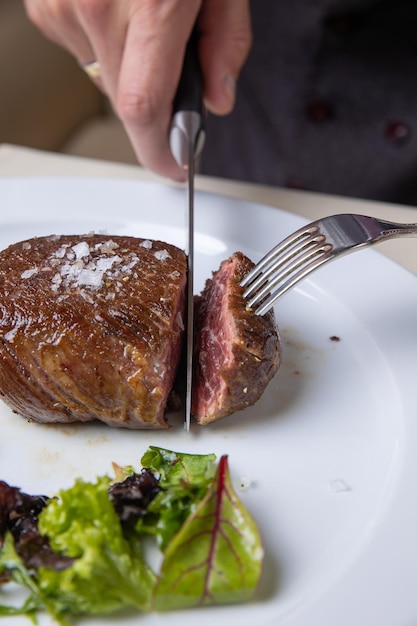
(236,352)
(91,328)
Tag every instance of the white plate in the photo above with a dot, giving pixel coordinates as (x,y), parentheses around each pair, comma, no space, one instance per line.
(329,450)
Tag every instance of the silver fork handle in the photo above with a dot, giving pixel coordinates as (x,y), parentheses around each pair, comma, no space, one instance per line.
(355,231)
(394,229)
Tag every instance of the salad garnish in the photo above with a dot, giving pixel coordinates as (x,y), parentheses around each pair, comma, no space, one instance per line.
(82,552)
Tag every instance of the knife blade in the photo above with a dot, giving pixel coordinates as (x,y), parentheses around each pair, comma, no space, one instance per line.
(186,139)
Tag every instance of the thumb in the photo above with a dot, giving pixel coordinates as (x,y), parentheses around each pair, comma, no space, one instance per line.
(225,41)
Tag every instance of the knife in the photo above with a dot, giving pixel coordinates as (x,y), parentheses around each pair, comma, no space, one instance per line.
(186,140)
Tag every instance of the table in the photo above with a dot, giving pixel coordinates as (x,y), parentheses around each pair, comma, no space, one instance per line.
(18,161)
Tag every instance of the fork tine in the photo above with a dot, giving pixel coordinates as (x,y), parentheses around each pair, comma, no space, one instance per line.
(321,256)
(280,256)
(302,263)
(284,245)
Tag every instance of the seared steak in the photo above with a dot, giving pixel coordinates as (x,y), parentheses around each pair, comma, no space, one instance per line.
(236,352)
(91,328)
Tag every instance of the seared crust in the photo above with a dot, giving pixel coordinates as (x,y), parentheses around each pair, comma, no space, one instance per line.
(236,352)
(91,328)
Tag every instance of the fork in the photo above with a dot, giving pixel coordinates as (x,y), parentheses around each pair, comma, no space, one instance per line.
(309,248)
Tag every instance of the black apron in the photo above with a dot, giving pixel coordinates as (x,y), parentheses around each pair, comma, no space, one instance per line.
(326,102)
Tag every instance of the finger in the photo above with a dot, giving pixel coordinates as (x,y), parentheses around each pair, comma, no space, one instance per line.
(225,41)
(105,25)
(150,71)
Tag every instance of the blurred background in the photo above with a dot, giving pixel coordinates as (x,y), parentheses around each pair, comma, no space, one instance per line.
(46,100)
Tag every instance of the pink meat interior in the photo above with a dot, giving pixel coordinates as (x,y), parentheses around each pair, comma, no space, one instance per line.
(215,342)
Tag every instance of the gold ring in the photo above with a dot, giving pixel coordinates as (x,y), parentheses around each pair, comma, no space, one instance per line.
(92,69)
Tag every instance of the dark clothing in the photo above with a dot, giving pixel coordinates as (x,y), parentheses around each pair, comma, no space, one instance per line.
(326,102)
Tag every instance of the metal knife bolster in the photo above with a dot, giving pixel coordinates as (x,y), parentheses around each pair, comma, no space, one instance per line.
(186,137)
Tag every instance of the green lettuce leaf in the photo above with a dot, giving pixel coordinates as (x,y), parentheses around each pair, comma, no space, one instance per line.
(109,571)
(184,480)
(11,565)
(217,555)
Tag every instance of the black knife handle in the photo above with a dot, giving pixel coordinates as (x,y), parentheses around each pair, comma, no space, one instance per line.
(189,96)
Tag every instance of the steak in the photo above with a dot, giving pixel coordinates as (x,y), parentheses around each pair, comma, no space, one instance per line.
(236,351)
(91,328)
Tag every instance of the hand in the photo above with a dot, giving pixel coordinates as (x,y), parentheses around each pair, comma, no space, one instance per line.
(140,45)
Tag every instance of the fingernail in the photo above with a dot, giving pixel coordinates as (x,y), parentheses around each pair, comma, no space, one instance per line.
(180,176)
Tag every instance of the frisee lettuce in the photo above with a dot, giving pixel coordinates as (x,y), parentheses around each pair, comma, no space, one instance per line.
(211,548)
(184,480)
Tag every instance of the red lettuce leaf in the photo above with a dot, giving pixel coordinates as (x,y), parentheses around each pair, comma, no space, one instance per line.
(216,557)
